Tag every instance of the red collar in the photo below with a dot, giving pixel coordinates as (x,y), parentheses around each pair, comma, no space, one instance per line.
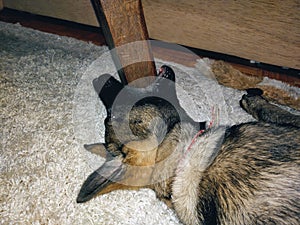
(200,132)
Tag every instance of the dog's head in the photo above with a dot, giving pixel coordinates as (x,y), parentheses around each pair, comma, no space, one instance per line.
(131,112)
(137,122)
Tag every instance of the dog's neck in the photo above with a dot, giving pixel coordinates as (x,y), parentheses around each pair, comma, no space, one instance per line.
(175,156)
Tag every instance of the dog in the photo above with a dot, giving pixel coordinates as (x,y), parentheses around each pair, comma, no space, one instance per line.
(244,174)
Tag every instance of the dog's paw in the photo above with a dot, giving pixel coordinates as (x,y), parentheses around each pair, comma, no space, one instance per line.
(252,99)
(253,102)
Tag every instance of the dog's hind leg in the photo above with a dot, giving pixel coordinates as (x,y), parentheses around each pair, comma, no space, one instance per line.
(262,110)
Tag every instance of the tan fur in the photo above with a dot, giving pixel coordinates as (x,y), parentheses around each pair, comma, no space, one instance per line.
(280,96)
(141,153)
(191,164)
(117,186)
(230,77)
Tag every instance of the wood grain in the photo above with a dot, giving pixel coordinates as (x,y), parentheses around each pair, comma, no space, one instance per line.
(267,31)
(80,11)
(124,27)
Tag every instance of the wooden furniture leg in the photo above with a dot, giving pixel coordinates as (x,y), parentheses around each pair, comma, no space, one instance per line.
(125,31)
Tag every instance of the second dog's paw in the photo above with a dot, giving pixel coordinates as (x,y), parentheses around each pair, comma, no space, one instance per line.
(254,92)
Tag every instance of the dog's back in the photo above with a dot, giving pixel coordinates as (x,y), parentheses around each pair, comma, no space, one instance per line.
(254,179)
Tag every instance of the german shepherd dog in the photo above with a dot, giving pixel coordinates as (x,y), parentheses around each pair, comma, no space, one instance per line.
(245,174)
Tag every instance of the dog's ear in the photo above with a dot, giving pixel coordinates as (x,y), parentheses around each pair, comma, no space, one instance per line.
(165,89)
(97,149)
(165,83)
(131,171)
(109,173)
(166,80)
(107,88)
(167,73)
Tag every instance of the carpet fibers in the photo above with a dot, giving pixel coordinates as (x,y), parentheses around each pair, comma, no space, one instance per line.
(49,110)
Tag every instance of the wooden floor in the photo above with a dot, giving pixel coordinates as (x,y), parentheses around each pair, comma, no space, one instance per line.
(166,52)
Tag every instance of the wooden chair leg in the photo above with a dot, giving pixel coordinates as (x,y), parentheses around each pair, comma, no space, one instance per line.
(125,31)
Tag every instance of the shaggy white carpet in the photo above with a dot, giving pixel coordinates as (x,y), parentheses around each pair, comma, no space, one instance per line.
(49,110)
